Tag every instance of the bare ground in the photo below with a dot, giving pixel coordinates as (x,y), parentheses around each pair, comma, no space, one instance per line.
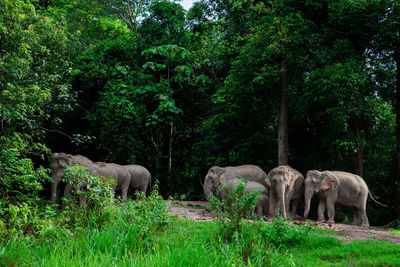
(198,211)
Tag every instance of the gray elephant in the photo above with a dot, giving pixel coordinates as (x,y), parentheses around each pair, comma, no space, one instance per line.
(286,185)
(58,162)
(119,173)
(220,181)
(140,177)
(249,172)
(339,187)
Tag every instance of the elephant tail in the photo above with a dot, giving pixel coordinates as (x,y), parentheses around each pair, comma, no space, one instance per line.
(376,201)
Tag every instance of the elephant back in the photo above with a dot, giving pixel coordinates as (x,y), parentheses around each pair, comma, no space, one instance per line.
(252,173)
(140,177)
(81,159)
(252,186)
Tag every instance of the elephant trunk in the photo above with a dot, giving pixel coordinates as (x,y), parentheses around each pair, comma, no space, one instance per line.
(53,192)
(208,190)
(307,200)
(56,176)
(280,190)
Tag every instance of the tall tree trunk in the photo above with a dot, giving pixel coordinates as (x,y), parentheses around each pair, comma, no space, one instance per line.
(170,151)
(397,111)
(283,142)
(157,154)
(360,152)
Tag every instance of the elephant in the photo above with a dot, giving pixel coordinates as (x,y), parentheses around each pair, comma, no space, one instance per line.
(119,173)
(339,187)
(58,162)
(220,181)
(140,177)
(215,174)
(286,185)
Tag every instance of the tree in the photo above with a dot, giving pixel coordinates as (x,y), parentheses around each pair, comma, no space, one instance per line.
(34,70)
(389,45)
(130,11)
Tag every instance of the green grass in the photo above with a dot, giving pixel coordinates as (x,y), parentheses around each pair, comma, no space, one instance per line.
(394,231)
(186,243)
(327,232)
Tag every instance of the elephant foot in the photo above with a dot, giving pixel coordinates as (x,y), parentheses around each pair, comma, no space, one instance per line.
(365,225)
(321,220)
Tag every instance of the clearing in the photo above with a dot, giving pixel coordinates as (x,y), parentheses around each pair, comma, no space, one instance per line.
(198,211)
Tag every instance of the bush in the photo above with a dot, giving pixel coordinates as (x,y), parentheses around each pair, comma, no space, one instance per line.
(21,209)
(281,234)
(91,202)
(234,208)
(146,214)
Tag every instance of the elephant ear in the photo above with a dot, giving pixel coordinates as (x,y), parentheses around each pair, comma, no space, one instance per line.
(218,170)
(311,175)
(63,162)
(71,161)
(327,180)
(268,181)
(290,175)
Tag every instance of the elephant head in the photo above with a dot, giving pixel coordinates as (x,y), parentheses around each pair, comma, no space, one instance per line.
(279,179)
(212,181)
(58,162)
(317,183)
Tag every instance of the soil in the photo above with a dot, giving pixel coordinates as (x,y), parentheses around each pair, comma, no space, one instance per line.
(199,211)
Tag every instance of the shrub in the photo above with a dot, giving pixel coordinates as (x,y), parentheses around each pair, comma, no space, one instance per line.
(281,234)
(147,214)
(21,209)
(91,202)
(237,205)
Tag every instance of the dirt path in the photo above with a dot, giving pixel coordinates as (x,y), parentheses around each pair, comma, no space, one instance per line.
(197,211)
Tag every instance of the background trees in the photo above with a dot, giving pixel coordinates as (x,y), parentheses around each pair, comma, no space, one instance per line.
(310,83)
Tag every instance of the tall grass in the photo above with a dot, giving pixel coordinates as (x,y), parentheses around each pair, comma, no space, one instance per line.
(186,243)
(142,233)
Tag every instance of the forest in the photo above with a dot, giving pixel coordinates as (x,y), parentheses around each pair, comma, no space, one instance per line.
(313,84)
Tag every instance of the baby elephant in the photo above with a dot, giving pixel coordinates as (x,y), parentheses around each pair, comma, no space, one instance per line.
(218,179)
(261,207)
(343,188)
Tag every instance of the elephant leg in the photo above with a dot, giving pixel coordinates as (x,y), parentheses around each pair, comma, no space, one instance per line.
(364,218)
(295,203)
(53,191)
(67,189)
(259,208)
(330,205)
(142,188)
(321,209)
(356,217)
(124,194)
(362,207)
(272,204)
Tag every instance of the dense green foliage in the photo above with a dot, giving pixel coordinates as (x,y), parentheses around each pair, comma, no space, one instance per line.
(178,91)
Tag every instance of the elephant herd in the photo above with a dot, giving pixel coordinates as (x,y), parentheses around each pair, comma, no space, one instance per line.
(126,176)
(282,189)
(287,187)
